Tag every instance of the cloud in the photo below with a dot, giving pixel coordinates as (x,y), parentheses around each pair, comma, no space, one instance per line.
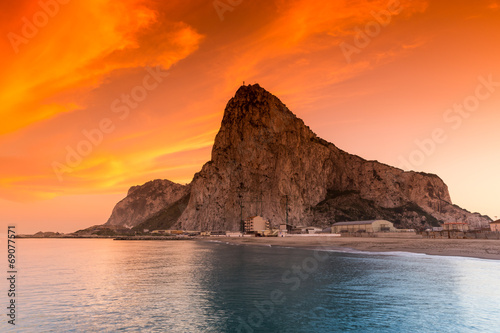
(78,49)
(414,45)
(494,6)
(64,79)
(274,54)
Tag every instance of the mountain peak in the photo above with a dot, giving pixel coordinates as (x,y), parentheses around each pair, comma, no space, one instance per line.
(265,160)
(254,106)
(256,118)
(249,91)
(254,98)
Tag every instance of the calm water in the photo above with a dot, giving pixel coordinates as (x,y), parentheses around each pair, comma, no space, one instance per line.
(187,286)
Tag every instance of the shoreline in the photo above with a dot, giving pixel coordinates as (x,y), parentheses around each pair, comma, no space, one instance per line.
(471,248)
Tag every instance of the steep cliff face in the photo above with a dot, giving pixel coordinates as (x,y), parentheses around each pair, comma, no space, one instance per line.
(144,201)
(266,161)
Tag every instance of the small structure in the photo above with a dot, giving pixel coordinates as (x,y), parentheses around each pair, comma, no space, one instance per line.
(168,232)
(495,226)
(256,224)
(162,232)
(233,234)
(455,226)
(284,229)
(296,230)
(313,230)
(305,230)
(363,226)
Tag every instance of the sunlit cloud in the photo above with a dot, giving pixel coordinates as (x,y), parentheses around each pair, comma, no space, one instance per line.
(91,47)
(416,44)
(81,47)
(494,6)
(64,80)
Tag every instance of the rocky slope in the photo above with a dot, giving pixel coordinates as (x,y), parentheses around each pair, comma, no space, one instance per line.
(144,201)
(265,161)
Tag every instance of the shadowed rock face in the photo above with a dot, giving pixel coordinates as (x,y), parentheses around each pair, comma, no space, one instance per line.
(144,201)
(268,159)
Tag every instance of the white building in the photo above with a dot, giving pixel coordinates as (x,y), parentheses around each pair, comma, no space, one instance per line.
(363,226)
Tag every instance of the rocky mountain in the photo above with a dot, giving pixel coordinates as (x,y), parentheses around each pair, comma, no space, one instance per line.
(266,161)
(144,201)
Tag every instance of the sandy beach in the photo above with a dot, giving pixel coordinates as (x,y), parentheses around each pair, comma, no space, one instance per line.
(476,248)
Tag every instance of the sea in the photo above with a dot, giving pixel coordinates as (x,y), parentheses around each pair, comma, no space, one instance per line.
(102,285)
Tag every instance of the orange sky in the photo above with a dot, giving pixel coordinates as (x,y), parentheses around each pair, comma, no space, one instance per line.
(101,95)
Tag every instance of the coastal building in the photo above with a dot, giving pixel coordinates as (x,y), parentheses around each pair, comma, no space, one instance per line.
(305,230)
(363,226)
(298,230)
(284,229)
(256,224)
(313,230)
(162,232)
(495,226)
(455,226)
(234,234)
(168,232)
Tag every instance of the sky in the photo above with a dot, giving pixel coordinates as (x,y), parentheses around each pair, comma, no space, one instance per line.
(101,95)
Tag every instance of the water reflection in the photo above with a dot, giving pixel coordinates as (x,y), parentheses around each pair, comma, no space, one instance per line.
(187,286)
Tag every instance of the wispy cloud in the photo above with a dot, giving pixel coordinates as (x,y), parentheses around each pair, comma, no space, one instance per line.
(78,50)
(494,5)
